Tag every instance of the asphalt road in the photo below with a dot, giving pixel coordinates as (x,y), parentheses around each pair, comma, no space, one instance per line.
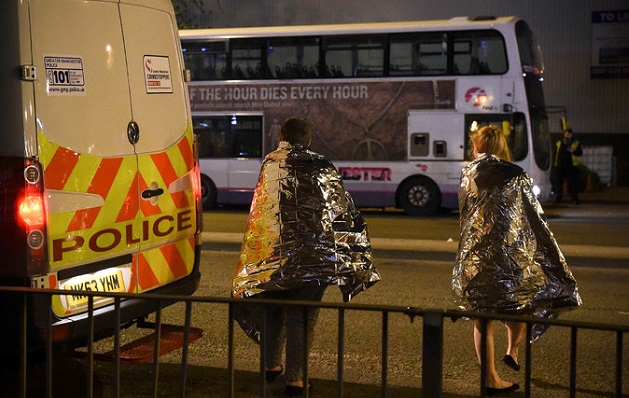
(410,278)
(416,283)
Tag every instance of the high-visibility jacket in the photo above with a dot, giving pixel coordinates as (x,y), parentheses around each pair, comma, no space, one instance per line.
(576,152)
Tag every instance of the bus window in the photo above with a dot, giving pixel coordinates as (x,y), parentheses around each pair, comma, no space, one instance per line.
(358,56)
(205,60)
(479,53)
(528,47)
(513,125)
(290,58)
(246,57)
(229,136)
(418,54)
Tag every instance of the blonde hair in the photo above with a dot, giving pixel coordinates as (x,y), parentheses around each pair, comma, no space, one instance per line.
(491,140)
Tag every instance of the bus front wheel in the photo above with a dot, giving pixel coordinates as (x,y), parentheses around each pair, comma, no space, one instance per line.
(419,196)
(208,192)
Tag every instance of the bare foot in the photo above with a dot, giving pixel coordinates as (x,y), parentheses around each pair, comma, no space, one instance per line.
(498,384)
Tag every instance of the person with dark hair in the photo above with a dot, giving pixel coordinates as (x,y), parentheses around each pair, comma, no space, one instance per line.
(508,261)
(303,234)
(567,155)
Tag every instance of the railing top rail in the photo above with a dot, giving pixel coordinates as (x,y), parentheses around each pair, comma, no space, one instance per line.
(410,311)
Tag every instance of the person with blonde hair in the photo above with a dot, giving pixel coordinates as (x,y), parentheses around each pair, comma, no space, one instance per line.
(491,140)
(508,261)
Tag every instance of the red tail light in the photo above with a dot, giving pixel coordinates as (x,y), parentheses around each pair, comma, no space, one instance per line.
(197,187)
(31,211)
(31,215)
(30,208)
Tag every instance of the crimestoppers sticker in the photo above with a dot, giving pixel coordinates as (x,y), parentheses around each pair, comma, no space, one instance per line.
(64,75)
(157,74)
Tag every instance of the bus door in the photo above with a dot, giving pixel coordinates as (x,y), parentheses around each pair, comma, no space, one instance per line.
(243,176)
(245,156)
(513,126)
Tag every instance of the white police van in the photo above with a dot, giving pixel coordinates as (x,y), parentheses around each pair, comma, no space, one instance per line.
(99,187)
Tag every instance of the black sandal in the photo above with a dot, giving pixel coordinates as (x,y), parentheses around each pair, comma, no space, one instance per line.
(510,362)
(490,391)
(293,391)
(271,375)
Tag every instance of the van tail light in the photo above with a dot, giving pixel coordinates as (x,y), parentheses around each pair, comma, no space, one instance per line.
(31,216)
(31,211)
(196,182)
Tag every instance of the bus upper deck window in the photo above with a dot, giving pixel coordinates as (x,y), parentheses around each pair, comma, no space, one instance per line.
(479,53)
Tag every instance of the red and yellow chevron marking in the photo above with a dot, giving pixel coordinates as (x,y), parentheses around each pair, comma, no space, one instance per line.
(103,214)
(100,185)
(179,257)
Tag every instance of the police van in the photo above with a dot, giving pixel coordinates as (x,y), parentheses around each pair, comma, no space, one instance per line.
(99,186)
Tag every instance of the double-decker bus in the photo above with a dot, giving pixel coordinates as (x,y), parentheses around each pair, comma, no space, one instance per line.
(391,104)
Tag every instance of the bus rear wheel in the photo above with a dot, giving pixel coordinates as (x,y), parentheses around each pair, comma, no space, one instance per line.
(419,196)
(208,192)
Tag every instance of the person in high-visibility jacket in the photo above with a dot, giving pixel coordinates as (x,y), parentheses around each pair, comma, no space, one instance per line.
(566,161)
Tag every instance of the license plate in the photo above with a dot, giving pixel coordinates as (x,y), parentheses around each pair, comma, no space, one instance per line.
(103,281)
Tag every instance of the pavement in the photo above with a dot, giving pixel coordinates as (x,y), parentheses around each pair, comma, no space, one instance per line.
(607,205)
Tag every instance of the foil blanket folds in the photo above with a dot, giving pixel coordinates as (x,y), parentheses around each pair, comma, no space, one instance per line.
(508,260)
(303,228)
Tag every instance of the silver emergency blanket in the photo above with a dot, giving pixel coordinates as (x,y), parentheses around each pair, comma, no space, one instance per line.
(508,260)
(303,228)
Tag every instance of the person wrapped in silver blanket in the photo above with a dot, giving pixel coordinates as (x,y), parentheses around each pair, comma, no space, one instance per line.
(508,260)
(303,234)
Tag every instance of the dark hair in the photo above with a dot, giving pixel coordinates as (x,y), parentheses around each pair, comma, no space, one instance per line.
(569,130)
(296,131)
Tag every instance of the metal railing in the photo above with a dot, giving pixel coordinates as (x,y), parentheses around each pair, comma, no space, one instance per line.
(432,335)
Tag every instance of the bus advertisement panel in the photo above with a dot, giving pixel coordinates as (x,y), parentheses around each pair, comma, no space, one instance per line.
(351,120)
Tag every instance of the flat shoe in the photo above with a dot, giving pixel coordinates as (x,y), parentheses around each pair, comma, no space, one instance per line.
(293,391)
(490,391)
(510,362)
(271,375)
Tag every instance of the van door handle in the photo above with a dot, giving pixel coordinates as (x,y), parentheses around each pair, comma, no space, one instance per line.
(149,193)
(133,132)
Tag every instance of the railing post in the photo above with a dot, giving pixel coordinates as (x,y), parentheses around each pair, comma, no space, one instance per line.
(528,363)
(619,364)
(432,360)
(23,346)
(385,352)
(230,352)
(340,352)
(573,362)
(49,348)
(263,352)
(184,350)
(156,348)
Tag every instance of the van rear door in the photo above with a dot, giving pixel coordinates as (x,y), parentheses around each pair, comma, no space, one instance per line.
(164,147)
(83,110)
(115,145)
